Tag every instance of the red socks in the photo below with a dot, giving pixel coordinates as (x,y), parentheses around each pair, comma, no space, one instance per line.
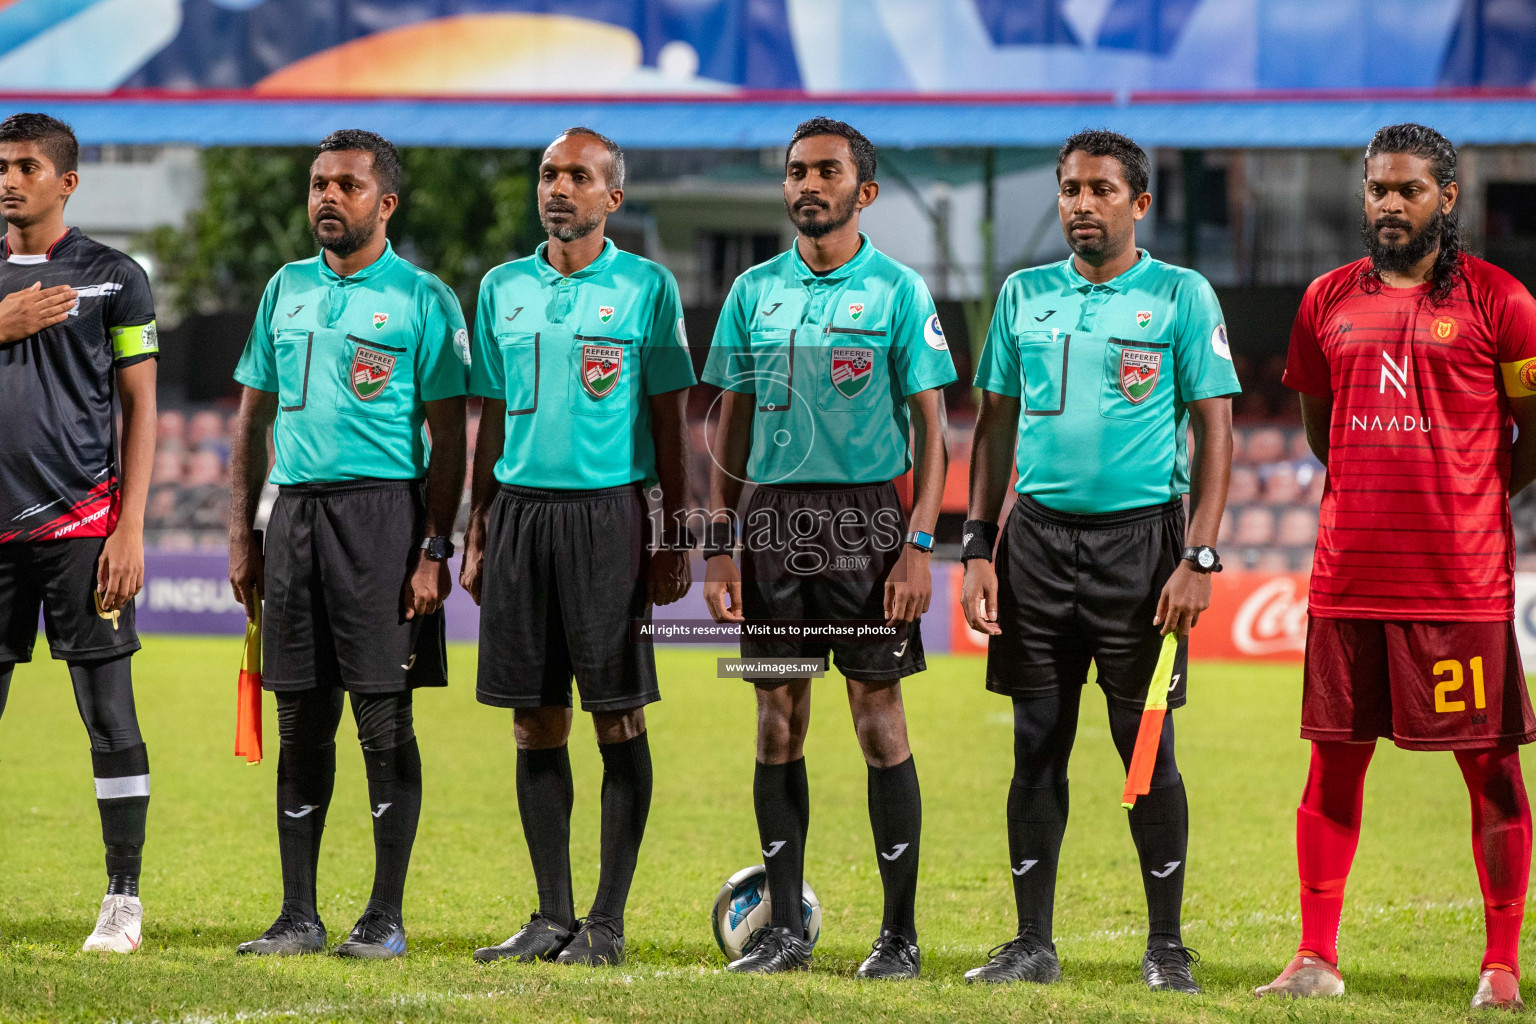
(1327,832)
(1501,846)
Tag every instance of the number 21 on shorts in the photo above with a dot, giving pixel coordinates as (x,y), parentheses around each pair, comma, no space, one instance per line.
(1451,682)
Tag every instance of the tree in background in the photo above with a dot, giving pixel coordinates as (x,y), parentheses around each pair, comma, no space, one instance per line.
(462,212)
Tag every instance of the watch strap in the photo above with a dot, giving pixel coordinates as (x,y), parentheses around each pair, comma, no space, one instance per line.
(921,540)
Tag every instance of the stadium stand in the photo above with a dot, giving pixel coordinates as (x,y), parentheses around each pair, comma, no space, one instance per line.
(1270,523)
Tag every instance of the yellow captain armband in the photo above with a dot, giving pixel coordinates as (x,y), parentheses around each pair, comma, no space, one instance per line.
(140,340)
(1519,378)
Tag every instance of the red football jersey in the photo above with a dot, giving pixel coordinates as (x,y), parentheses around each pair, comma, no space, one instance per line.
(1415,518)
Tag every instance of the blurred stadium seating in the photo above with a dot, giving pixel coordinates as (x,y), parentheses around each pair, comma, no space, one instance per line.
(1270,522)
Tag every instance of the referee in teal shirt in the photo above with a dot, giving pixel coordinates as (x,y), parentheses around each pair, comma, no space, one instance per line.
(1095,369)
(584,368)
(352,353)
(832,364)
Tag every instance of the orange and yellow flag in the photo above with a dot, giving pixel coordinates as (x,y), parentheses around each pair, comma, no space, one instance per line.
(1138,779)
(248,694)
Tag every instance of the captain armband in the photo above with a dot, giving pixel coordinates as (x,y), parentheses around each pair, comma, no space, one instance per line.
(139,340)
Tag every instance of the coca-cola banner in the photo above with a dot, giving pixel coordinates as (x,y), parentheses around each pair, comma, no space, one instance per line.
(1263,616)
(1253,615)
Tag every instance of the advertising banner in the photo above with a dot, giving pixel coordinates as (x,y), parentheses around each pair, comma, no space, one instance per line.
(1253,615)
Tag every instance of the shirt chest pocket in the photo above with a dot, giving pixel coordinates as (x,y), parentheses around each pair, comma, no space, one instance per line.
(1137,379)
(376,382)
(604,375)
(1043,362)
(772,369)
(855,364)
(519,355)
(294,353)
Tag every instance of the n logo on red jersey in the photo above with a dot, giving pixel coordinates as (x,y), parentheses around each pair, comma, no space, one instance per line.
(1393,374)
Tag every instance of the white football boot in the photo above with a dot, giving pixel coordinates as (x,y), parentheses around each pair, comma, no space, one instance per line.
(119,928)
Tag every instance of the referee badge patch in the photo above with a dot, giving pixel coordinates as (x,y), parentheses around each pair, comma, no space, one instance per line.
(600,368)
(370,372)
(852,369)
(1138,373)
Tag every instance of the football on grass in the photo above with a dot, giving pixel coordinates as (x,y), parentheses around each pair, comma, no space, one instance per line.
(742,912)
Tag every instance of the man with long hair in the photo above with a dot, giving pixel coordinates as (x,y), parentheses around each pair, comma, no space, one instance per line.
(1413,364)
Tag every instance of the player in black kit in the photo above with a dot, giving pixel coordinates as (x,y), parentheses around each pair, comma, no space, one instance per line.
(77,330)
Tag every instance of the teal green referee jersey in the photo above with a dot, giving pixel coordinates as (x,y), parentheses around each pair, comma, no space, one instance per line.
(352,359)
(576,359)
(1105,374)
(830,360)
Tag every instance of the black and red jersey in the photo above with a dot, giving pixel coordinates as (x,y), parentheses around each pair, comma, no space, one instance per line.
(58,443)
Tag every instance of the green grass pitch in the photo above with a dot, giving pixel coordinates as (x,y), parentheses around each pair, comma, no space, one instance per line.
(1411,942)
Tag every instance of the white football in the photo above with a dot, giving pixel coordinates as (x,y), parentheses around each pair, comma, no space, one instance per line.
(741,912)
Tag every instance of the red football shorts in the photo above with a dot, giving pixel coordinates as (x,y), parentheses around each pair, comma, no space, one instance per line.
(1426,685)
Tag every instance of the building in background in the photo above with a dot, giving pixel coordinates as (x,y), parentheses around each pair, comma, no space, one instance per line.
(1255,113)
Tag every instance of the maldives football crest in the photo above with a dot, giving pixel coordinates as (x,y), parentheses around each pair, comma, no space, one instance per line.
(370,372)
(1138,373)
(600,368)
(852,369)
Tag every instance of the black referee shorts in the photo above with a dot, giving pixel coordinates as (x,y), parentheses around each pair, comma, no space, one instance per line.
(337,559)
(823,552)
(564,574)
(1074,589)
(59,576)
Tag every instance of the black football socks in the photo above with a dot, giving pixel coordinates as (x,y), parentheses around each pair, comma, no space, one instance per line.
(306,777)
(781,798)
(626,805)
(896,818)
(1160,828)
(544,798)
(1037,821)
(394,792)
(122,799)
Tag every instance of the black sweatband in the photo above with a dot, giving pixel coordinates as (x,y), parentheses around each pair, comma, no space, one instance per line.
(979,538)
(719,538)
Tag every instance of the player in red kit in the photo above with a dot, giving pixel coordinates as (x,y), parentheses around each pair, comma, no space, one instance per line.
(1413,366)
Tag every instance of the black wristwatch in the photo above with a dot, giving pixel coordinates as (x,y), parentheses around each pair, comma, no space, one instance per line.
(1202,559)
(437,549)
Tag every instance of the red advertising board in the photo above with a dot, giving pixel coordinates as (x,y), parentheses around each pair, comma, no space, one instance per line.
(1253,615)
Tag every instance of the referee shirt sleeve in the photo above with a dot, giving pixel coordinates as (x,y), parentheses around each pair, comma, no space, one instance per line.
(1202,359)
(664,361)
(442,352)
(487,375)
(918,349)
(258,363)
(1306,368)
(997,370)
(730,364)
(130,318)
